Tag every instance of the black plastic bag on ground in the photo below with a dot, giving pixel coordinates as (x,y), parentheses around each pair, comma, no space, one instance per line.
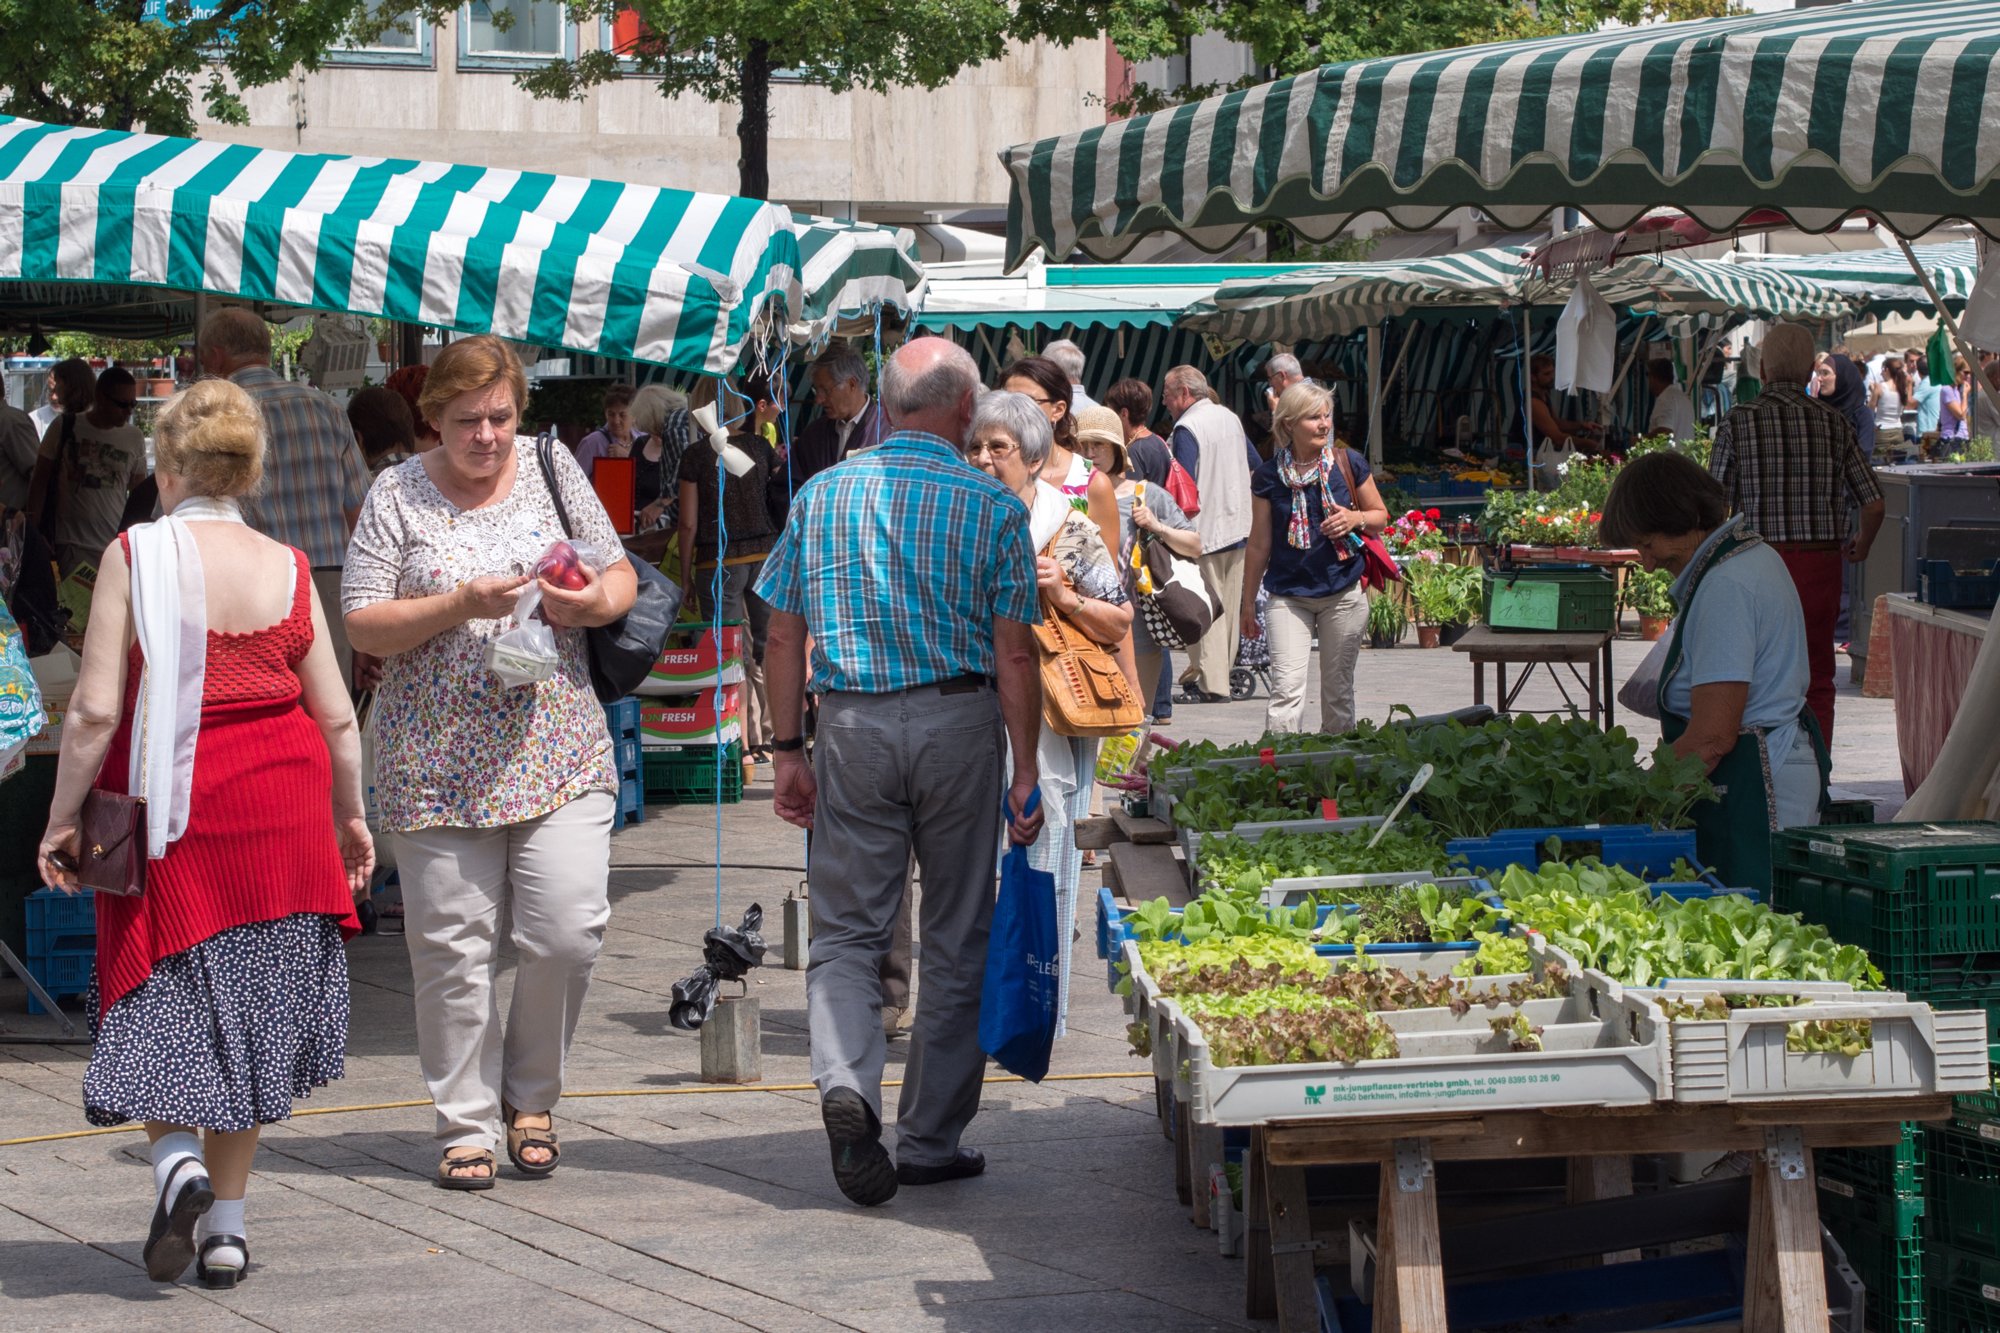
(728,953)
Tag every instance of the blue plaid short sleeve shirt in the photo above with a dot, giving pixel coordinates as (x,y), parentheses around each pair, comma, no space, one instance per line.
(900,559)
(313,471)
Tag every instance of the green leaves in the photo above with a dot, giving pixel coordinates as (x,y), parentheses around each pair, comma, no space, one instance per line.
(1247,867)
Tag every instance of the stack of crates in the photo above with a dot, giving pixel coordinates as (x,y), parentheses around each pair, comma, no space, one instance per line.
(691,727)
(62,942)
(621,716)
(1921,1221)
(694,774)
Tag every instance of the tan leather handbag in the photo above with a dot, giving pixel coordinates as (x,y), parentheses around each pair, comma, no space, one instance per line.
(1083,691)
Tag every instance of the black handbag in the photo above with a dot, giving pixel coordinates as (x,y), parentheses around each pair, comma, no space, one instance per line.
(623,652)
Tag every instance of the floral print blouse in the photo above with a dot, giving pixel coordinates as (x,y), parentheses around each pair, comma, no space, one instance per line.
(453,746)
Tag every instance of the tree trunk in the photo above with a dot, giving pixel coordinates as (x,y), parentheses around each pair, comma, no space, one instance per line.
(753,129)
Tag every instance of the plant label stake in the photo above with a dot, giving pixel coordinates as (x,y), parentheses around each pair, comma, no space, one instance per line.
(1416,785)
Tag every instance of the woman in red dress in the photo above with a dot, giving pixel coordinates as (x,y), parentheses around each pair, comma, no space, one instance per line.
(221,993)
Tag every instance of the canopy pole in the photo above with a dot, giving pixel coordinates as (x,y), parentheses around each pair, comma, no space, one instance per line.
(1965,349)
(1375,394)
(1638,345)
(1528,396)
(1402,355)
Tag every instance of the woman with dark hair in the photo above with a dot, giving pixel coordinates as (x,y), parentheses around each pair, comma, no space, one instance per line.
(1147,455)
(408,384)
(383,424)
(1886,398)
(1850,399)
(1067,470)
(1732,688)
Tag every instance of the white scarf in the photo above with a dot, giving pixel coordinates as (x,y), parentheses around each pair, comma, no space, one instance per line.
(170,616)
(1046,514)
(1054,755)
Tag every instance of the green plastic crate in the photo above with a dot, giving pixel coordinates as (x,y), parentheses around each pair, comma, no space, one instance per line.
(1874,1172)
(1978,1113)
(1964,1190)
(1550,598)
(1883,1239)
(686,774)
(1923,900)
(1963,1291)
(1848,812)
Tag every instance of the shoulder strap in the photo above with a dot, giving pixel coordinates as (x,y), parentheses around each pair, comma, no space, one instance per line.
(1340,461)
(546,455)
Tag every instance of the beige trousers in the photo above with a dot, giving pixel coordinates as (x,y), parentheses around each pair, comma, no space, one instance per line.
(1290,623)
(1216,653)
(550,875)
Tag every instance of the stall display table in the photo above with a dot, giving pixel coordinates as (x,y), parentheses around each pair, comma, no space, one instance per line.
(1931,652)
(1556,653)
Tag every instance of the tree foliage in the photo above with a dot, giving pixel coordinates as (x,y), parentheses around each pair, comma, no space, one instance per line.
(107,64)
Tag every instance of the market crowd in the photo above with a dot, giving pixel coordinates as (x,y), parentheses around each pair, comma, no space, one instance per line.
(952,590)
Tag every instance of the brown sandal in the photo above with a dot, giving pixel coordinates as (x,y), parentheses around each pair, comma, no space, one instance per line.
(483,1157)
(520,1139)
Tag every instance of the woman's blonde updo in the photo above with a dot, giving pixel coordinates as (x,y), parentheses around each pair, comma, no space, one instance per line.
(211,436)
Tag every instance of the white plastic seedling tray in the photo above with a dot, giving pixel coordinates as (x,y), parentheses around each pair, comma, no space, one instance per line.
(1913,1050)
(1190,839)
(1291,892)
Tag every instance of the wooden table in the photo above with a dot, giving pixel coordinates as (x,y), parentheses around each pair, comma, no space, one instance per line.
(1554,652)
(1785,1289)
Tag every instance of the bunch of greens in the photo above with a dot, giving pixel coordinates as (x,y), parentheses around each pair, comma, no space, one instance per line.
(1411,914)
(1846,1037)
(1606,919)
(1229,862)
(1221,798)
(1194,754)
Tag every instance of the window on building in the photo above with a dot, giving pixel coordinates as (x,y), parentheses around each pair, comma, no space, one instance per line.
(408,42)
(516,29)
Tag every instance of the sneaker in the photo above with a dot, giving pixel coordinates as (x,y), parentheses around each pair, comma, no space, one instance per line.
(861,1165)
(892,1022)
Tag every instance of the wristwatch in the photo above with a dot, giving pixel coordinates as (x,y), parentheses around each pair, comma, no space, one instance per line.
(788,747)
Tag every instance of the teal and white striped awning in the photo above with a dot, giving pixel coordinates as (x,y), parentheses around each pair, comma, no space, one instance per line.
(1336,299)
(600,267)
(1882,107)
(1883,274)
(851,270)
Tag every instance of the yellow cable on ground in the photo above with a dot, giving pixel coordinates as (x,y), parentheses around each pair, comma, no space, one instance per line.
(613,1092)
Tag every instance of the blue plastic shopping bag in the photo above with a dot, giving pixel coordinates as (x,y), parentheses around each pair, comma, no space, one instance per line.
(1017,1006)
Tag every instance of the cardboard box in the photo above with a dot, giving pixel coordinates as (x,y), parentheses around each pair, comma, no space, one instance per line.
(695,657)
(694,720)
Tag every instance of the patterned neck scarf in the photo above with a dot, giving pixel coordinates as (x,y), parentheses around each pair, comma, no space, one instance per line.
(1299,532)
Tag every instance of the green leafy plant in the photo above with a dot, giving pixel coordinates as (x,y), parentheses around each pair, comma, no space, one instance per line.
(1230,862)
(1646,593)
(1441,593)
(1387,620)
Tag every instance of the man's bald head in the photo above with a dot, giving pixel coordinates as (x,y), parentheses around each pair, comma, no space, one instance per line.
(929,385)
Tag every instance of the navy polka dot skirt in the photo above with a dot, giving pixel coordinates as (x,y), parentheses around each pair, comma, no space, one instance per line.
(225,1035)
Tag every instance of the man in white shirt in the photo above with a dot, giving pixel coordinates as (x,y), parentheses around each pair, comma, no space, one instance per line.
(1070,358)
(90,462)
(1673,410)
(1209,442)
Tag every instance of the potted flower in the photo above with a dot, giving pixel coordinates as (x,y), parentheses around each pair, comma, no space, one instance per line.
(1444,596)
(1415,531)
(1646,593)
(1387,620)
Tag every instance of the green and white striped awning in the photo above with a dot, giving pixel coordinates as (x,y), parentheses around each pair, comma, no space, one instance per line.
(600,267)
(849,271)
(1336,299)
(1883,275)
(1880,107)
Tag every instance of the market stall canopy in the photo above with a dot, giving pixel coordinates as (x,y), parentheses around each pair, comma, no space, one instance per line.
(1883,275)
(1822,113)
(1080,296)
(632,271)
(849,271)
(1340,298)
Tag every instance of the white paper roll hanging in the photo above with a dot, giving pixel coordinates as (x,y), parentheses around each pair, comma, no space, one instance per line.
(739,463)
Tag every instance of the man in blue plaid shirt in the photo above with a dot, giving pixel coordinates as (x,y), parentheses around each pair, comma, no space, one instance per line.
(914,575)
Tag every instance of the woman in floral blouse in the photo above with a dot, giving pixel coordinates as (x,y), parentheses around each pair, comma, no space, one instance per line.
(496,797)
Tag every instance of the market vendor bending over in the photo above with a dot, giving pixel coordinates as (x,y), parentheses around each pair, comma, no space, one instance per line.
(1733,683)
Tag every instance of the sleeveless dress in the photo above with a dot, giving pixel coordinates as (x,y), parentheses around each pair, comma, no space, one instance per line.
(221,994)
(1076,483)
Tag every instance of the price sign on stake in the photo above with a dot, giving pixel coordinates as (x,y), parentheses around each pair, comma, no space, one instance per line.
(1416,785)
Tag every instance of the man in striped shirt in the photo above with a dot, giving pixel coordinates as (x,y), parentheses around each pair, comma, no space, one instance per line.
(914,575)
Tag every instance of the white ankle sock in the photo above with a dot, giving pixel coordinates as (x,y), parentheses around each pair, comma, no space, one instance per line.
(224,1219)
(167,1153)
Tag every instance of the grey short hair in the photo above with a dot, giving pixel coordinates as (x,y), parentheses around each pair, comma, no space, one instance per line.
(1284,363)
(843,362)
(1788,354)
(651,405)
(944,386)
(1021,418)
(236,333)
(1067,355)
(1188,379)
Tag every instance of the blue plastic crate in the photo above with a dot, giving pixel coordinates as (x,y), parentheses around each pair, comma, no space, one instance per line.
(1961,589)
(625,750)
(1634,847)
(60,922)
(621,716)
(62,974)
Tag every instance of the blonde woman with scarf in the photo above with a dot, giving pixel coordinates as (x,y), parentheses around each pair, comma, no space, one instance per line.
(220,995)
(1309,504)
(1010,440)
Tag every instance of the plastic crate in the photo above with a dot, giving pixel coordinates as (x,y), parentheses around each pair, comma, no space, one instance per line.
(1577,599)
(1978,1113)
(1634,847)
(1963,1291)
(1963,1184)
(1922,899)
(1874,1172)
(1883,1239)
(625,750)
(1938,584)
(631,804)
(62,975)
(686,775)
(1847,812)
(621,717)
(60,922)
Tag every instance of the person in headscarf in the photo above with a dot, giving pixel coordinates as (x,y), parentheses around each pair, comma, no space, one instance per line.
(1850,399)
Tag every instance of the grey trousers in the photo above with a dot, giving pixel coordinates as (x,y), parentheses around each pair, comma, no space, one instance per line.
(898,963)
(917,770)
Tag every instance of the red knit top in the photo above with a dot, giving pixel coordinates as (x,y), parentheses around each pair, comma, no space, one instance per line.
(259,844)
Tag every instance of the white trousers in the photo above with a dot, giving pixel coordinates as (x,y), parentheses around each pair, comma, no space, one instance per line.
(1289,625)
(1211,659)
(552,874)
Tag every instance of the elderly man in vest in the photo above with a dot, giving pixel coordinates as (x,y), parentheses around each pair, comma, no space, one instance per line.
(1209,442)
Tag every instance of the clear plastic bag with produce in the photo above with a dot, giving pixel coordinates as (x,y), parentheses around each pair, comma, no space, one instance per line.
(564,563)
(525,654)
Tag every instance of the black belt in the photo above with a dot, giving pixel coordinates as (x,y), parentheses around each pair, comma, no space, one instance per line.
(966,684)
